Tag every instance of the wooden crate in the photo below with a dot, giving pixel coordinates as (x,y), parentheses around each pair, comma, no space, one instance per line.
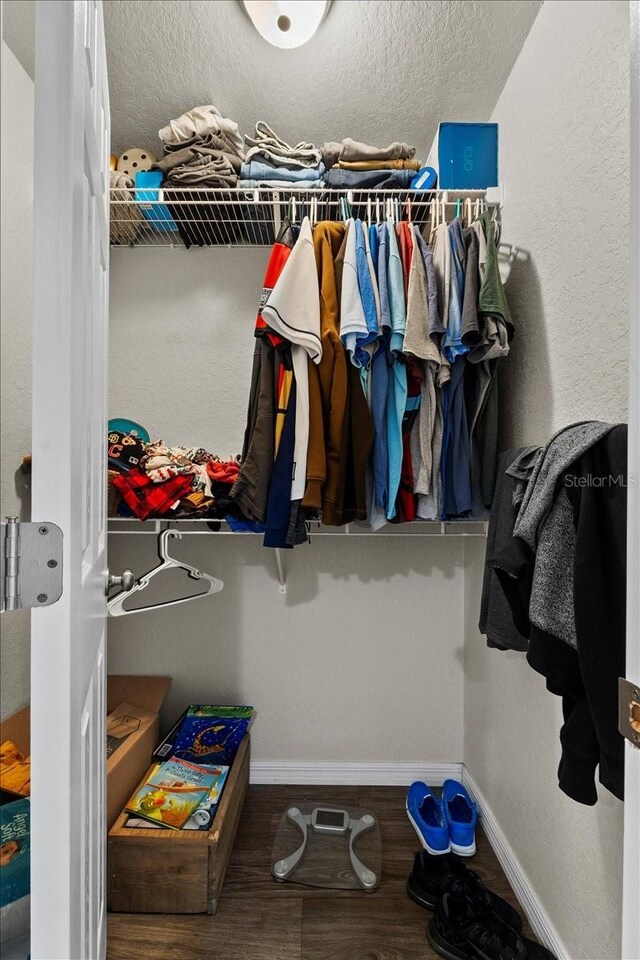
(176,871)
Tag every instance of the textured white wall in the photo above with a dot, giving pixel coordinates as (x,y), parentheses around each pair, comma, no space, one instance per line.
(361,660)
(363,657)
(181,341)
(564,163)
(15,346)
(377,71)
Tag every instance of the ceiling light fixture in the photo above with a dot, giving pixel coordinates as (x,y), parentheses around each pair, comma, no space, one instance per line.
(286,23)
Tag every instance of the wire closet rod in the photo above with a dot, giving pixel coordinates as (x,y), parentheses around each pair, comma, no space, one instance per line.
(470,528)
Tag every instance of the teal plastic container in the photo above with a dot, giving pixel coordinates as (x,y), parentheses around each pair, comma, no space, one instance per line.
(148,183)
(467,156)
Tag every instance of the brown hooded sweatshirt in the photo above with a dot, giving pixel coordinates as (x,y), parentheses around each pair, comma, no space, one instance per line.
(332,377)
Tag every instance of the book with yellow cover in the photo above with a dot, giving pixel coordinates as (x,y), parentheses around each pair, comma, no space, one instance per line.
(202,818)
(173,791)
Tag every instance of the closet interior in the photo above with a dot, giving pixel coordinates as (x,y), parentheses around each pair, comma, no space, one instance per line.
(360,649)
(333,578)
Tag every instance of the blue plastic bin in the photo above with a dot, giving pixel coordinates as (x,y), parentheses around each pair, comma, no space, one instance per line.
(467,156)
(148,183)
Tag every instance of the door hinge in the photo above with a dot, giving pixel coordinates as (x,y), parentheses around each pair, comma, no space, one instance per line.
(30,565)
(629,710)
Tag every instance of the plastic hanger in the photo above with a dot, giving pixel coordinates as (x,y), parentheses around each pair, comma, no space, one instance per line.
(115,606)
(434,212)
(497,225)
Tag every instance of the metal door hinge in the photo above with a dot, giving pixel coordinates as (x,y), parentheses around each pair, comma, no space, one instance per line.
(30,565)
(629,710)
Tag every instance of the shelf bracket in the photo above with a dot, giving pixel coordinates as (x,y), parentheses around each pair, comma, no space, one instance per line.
(282,577)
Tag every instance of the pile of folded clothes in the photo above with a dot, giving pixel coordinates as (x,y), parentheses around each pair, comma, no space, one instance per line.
(357,166)
(272,162)
(177,481)
(202,149)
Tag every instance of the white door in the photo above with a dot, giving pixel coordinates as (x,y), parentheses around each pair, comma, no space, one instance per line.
(69,440)
(631,874)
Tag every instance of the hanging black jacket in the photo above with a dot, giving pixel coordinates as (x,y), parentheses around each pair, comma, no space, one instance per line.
(586,677)
(597,489)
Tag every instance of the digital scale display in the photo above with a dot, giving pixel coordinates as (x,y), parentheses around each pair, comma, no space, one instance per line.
(326,820)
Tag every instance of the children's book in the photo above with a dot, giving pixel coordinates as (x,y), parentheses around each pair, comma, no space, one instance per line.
(212,734)
(173,792)
(202,817)
(14,852)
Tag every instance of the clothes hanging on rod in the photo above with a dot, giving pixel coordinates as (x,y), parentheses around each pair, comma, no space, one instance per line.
(393,361)
(562,571)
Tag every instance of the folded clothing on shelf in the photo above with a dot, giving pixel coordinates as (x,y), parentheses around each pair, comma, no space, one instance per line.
(267,146)
(259,169)
(200,163)
(199,122)
(280,184)
(273,163)
(358,166)
(378,164)
(351,151)
(341,179)
(202,149)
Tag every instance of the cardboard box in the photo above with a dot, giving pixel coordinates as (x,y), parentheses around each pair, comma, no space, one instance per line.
(137,730)
(132,736)
(129,759)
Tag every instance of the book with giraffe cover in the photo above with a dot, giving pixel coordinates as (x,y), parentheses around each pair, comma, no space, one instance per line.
(212,734)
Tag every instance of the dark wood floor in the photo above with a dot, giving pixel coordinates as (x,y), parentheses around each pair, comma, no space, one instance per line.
(260,919)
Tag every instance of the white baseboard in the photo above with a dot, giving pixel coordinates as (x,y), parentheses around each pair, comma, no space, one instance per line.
(536,914)
(336,773)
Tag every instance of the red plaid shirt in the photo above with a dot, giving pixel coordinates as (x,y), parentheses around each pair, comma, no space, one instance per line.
(148,499)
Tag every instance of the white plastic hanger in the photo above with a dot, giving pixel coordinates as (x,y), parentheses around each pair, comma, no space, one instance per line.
(115,606)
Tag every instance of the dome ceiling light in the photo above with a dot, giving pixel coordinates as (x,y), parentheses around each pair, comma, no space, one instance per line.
(286,23)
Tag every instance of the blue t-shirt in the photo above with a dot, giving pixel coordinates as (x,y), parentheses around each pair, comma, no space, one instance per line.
(367,296)
(397,389)
(452,345)
(380,374)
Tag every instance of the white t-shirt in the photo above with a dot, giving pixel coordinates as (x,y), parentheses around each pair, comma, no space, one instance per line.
(293,311)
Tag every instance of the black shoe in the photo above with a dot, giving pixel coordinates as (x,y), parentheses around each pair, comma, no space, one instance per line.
(459,931)
(431,877)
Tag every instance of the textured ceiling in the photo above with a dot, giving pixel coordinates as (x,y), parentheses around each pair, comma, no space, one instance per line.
(377,70)
(18,20)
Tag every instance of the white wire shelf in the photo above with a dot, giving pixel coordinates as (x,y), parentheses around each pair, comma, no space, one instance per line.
(174,218)
(121,526)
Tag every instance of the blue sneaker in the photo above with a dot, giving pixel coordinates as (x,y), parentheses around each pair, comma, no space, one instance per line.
(426,814)
(461,816)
